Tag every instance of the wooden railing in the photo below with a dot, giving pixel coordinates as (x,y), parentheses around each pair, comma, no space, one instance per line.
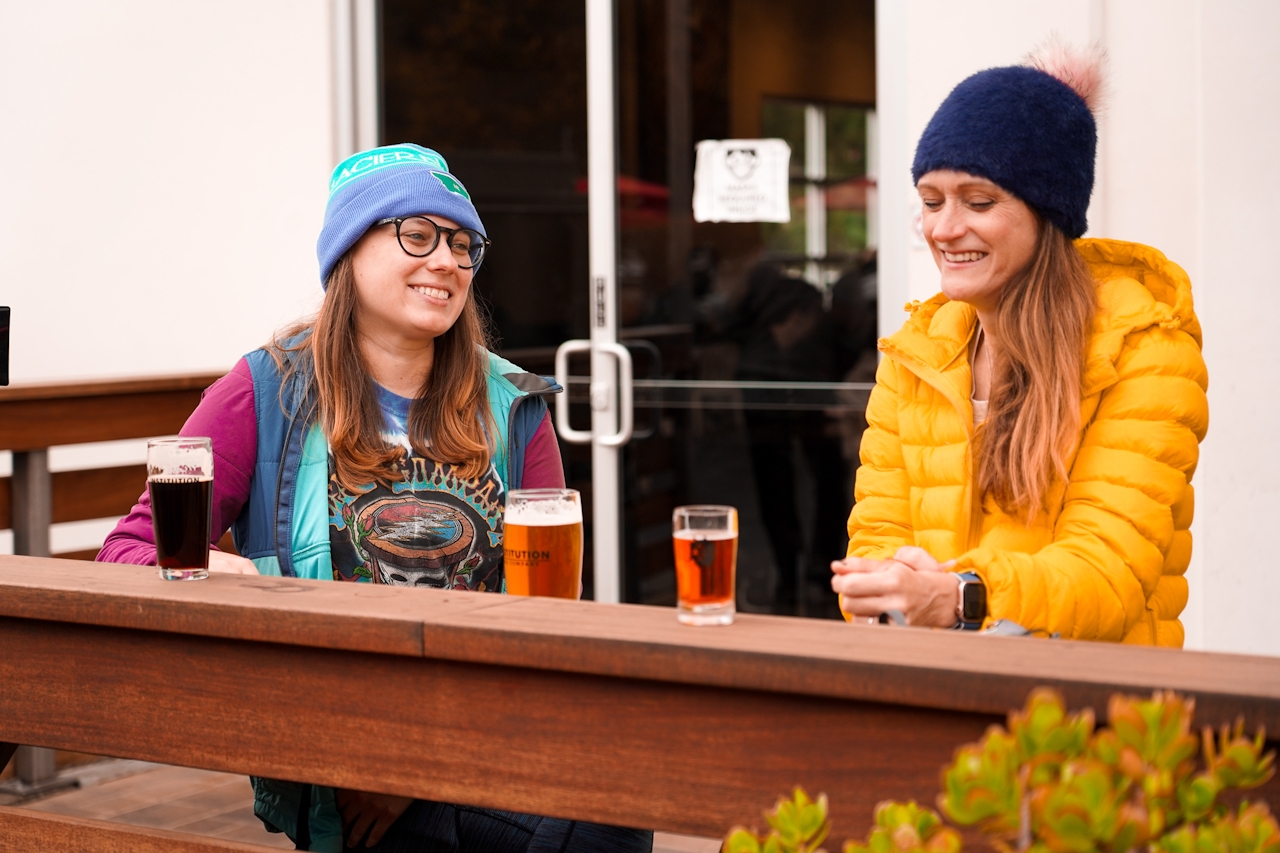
(34,418)
(609,713)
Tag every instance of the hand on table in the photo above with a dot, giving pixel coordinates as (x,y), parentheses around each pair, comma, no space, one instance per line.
(913,582)
(370,814)
(221,561)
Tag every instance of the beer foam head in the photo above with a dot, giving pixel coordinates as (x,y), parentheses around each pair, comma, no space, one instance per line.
(705,535)
(174,457)
(544,513)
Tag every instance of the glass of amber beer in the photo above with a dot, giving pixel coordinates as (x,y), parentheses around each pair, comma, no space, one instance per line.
(542,542)
(706,544)
(180,483)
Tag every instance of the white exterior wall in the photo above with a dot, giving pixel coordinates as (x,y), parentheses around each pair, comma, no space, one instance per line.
(1186,164)
(166,169)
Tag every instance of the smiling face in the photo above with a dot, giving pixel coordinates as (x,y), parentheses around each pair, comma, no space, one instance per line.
(981,235)
(403,299)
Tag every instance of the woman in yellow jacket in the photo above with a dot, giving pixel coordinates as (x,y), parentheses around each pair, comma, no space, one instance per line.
(1034,428)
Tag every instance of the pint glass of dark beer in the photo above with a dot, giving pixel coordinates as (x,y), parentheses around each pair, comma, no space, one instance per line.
(706,545)
(180,482)
(542,542)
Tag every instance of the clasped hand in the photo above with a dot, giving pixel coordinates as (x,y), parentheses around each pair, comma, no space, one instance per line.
(912,582)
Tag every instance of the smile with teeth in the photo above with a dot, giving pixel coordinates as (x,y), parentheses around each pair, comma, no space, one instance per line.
(433,292)
(962,257)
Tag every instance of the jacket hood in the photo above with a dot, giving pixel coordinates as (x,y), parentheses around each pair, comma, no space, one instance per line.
(1138,287)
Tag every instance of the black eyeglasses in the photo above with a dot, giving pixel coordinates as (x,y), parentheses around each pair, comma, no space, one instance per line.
(419,236)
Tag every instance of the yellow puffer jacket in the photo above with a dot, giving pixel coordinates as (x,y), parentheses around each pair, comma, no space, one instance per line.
(1107,561)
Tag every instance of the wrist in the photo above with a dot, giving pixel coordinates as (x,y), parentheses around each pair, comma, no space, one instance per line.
(941,612)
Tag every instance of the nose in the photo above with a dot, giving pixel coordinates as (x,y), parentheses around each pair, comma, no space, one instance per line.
(944,224)
(441,258)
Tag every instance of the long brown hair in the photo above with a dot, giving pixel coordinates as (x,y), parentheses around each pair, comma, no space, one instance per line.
(449,420)
(1043,321)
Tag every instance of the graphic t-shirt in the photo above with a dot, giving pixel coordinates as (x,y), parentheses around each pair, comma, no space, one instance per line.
(432,527)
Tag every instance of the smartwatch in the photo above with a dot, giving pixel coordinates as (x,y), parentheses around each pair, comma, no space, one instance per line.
(971,607)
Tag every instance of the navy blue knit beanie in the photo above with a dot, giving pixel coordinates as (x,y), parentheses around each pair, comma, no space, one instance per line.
(383,183)
(1025,130)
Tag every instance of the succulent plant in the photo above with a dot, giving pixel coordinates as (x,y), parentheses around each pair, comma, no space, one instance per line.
(1050,783)
(1251,830)
(907,828)
(798,825)
(981,785)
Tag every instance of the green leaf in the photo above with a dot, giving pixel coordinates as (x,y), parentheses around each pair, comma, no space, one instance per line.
(1081,811)
(1236,761)
(1182,840)
(740,840)
(907,828)
(800,823)
(1197,796)
(1157,729)
(774,844)
(1256,830)
(1047,736)
(981,785)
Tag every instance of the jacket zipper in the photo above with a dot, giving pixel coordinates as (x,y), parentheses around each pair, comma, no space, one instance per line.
(933,378)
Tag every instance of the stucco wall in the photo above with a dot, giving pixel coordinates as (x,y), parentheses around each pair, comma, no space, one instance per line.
(166,169)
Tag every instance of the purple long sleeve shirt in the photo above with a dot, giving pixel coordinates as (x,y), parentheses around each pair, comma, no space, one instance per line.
(226,416)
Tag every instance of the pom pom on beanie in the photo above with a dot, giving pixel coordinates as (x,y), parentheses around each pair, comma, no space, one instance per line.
(384,183)
(1029,129)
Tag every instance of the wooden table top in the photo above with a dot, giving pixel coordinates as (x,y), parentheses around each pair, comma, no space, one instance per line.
(902,666)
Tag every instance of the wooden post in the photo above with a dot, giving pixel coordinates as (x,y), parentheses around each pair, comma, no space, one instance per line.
(34,765)
(32,502)
(32,514)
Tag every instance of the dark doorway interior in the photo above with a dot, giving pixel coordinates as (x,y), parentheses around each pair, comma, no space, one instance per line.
(499,88)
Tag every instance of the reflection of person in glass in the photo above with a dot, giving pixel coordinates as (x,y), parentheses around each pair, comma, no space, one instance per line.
(853,314)
(376,443)
(784,335)
(1034,428)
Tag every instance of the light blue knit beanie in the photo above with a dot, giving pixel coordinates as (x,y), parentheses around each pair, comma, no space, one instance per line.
(382,183)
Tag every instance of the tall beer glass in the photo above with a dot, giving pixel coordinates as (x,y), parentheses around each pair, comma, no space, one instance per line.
(706,545)
(542,542)
(180,482)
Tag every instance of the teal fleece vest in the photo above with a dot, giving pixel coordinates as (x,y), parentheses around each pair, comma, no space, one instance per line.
(284,525)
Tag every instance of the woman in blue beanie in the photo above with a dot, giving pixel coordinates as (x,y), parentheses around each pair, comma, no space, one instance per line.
(376,443)
(1034,427)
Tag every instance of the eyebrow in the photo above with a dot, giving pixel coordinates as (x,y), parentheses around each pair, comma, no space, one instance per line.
(980,184)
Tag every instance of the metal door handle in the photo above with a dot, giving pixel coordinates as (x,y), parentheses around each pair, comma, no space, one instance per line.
(600,392)
(568,433)
(626,413)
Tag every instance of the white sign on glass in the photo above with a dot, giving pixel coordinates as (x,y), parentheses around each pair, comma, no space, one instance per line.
(742,180)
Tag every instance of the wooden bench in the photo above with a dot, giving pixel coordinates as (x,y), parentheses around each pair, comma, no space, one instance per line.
(610,713)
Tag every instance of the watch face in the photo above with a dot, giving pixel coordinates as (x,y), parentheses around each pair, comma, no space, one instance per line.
(974,602)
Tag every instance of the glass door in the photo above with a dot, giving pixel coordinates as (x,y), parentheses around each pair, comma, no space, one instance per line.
(751,345)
